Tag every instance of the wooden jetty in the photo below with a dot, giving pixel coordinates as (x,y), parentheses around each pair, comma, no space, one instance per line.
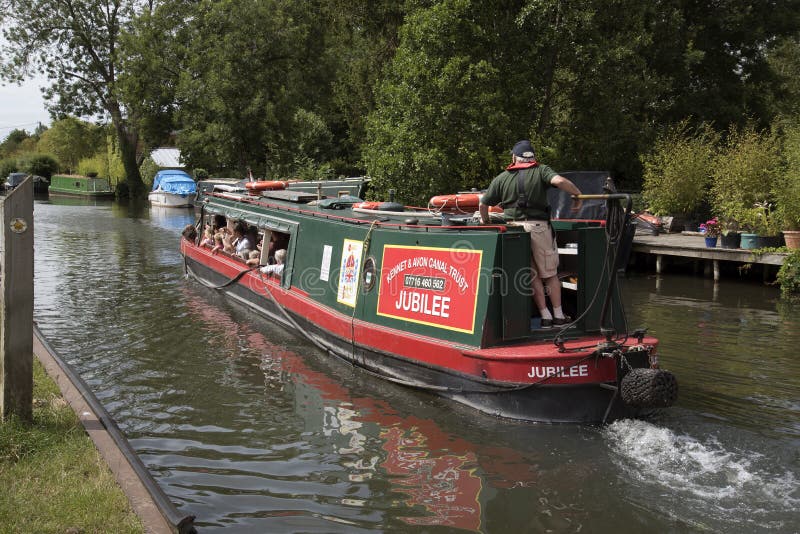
(691,246)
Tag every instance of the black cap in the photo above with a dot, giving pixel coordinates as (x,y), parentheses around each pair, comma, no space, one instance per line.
(523,149)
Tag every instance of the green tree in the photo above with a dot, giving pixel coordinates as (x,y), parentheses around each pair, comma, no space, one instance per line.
(361,38)
(439,122)
(784,61)
(71,140)
(12,142)
(76,45)
(250,71)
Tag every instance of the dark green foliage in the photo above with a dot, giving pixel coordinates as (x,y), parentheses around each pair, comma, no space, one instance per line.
(440,121)
(148,170)
(39,164)
(789,276)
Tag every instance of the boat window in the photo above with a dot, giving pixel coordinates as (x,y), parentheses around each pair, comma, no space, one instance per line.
(369,273)
(274,242)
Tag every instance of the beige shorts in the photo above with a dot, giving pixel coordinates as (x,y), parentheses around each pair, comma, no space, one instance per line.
(543,248)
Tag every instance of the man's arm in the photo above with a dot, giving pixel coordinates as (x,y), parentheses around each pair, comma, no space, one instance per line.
(484,210)
(566,185)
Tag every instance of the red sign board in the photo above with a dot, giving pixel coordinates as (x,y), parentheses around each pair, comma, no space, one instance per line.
(433,286)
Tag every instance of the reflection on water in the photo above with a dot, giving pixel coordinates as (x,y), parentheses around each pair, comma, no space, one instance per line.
(254,430)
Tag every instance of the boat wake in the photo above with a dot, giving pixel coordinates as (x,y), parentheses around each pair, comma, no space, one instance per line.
(704,482)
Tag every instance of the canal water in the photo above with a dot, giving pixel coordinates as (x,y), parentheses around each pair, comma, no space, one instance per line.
(252,429)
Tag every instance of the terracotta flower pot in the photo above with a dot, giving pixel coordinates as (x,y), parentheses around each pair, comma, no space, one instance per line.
(792,238)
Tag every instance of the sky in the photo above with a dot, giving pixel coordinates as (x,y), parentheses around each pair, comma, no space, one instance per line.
(22,107)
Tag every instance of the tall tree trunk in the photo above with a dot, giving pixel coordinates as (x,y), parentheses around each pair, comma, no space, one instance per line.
(128,140)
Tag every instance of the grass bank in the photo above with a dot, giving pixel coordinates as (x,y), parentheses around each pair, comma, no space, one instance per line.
(52,477)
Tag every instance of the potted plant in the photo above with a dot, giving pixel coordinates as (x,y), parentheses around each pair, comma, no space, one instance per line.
(743,178)
(787,189)
(788,212)
(729,236)
(711,230)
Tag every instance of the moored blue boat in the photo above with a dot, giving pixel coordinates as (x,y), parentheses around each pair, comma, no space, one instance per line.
(172,189)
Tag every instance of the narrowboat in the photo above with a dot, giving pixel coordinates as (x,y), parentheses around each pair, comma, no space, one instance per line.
(82,186)
(172,189)
(436,301)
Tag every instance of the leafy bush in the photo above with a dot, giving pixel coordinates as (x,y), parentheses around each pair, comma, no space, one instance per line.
(199,174)
(786,190)
(789,276)
(96,164)
(677,170)
(7,166)
(106,164)
(744,173)
(148,170)
(39,164)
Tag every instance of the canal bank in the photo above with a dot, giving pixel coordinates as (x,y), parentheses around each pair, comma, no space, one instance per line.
(148,501)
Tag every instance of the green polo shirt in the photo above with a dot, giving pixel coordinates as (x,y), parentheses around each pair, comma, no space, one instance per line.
(503,191)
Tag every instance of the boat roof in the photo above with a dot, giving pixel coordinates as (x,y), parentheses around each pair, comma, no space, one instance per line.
(167,180)
(256,210)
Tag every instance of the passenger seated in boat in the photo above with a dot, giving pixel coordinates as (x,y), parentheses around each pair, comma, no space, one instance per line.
(219,243)
(277,241)
(252,236)
(243,244)
(254,259)
(219,223)
(190,233)
(208,237)
(276,269)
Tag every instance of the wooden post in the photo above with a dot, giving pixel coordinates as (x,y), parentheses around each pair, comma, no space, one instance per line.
(16,302)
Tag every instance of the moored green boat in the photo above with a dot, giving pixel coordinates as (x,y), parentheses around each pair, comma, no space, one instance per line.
(76,185)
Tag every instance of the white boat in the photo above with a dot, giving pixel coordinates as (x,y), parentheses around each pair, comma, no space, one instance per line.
(172,189)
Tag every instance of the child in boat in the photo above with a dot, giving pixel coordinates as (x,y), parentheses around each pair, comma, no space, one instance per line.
(208,237)
(219,243)
(276,269)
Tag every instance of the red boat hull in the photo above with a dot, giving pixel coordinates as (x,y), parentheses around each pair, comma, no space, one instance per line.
(530,381)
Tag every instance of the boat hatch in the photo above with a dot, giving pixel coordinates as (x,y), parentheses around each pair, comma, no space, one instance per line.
(299,197)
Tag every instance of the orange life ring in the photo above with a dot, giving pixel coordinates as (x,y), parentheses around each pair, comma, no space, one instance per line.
(368,205)
(460,203)
(268,185)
